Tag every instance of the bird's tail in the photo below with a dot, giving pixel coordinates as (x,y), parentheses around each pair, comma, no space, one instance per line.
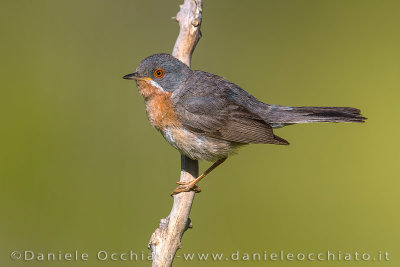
(281,115)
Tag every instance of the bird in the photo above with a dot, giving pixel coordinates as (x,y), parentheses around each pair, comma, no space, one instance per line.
(207,117)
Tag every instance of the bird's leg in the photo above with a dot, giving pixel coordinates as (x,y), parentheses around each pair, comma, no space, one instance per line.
(192,185)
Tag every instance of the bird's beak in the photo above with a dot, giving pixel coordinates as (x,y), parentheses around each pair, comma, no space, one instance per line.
(132,76)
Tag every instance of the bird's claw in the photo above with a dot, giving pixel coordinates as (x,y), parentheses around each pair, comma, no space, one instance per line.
(186,187)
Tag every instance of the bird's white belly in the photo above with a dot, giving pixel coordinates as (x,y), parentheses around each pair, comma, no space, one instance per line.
(197,146)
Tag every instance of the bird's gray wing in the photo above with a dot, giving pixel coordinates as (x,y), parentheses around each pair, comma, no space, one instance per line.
(217,116)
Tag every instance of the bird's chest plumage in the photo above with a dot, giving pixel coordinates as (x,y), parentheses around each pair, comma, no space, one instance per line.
(161,112)
(159,106)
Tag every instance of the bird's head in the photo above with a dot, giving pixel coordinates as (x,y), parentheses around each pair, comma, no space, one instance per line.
(161,70)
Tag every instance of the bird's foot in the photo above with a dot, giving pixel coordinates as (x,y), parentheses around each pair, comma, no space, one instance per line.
(186,187)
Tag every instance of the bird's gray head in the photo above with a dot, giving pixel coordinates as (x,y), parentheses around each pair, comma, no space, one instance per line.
(162,70)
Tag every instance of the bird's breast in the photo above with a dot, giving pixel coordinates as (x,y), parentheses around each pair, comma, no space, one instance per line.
(159,106)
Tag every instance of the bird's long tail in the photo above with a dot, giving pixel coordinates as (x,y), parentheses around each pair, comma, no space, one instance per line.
(281,115)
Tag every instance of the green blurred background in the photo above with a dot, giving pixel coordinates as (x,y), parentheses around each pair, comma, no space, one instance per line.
(81,167)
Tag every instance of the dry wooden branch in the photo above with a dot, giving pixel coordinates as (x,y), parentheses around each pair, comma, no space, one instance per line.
(166,239)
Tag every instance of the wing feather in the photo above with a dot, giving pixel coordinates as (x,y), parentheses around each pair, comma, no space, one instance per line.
(219,117)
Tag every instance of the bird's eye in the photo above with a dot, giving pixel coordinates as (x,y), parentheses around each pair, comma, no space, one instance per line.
(159,73)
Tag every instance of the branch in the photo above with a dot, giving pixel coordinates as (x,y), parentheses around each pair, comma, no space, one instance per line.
(166,239)
(189,18)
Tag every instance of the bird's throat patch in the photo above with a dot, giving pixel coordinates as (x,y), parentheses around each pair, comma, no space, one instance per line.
(148,87)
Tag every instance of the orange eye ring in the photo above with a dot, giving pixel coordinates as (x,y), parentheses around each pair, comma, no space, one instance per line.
(159,73)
